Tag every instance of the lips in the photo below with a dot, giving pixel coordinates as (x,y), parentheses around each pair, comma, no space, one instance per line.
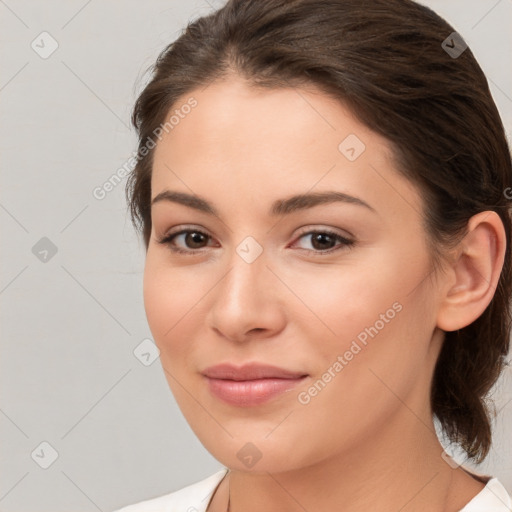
(251,371)
(251,384)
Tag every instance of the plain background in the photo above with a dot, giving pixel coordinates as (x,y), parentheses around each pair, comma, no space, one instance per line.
(70,324)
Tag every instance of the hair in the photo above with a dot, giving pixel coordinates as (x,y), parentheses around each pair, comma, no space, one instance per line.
(385,60)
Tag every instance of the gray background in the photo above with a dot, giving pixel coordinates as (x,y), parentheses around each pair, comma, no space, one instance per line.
(70,324)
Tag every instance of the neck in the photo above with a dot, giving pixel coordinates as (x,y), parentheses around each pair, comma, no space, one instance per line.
(388,473)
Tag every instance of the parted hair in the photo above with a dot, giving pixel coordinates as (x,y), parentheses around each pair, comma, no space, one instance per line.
(389,62)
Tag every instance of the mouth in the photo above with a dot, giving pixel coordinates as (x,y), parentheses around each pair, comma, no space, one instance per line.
(251,384)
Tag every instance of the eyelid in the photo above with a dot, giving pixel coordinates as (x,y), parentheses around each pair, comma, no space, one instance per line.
(323,229)
(184,227)
(302,231)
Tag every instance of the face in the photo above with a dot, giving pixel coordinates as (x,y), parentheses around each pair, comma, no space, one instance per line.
(334,291)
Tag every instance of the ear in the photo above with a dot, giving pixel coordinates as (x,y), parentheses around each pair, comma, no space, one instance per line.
(474,273)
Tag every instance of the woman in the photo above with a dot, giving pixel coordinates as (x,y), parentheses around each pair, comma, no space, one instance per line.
(322,192)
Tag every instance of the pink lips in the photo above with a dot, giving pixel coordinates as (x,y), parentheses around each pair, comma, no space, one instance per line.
(251,384)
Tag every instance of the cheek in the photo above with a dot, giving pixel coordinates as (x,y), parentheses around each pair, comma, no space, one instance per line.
(375,313)
(366,374)
(341,302)
(170,301)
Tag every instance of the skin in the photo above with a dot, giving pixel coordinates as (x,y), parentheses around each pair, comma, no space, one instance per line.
(367,440)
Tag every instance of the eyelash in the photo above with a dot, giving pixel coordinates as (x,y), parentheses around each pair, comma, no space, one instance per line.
(345,242)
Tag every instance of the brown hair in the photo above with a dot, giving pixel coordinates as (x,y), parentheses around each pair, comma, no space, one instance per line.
(385,60)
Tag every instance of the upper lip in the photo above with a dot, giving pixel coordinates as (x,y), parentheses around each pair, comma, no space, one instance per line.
(250,371)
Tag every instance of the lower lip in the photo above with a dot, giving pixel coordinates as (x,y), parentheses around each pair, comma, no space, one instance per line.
(245,393)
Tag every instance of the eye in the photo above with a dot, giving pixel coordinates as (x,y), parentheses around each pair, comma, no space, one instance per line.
(324,241)
(193,239)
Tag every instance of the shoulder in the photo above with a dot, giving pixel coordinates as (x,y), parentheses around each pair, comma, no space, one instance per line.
(492,498)
(193,498)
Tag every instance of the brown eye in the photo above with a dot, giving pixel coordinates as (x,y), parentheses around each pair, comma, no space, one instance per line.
(186,241)
(195,239)
(324,242)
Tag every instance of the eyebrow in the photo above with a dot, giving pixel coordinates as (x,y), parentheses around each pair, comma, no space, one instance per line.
(279,207)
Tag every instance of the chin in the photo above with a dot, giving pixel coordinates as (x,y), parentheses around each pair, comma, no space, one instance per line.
(257,456)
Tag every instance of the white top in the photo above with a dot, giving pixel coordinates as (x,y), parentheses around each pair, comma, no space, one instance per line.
(196,497)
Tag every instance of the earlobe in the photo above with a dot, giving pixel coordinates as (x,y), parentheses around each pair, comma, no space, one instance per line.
(475,272)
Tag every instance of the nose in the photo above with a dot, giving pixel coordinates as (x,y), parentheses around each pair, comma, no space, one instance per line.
(247,302)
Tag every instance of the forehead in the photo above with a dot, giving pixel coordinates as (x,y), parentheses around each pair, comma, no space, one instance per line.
(260,142)
(233,115)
